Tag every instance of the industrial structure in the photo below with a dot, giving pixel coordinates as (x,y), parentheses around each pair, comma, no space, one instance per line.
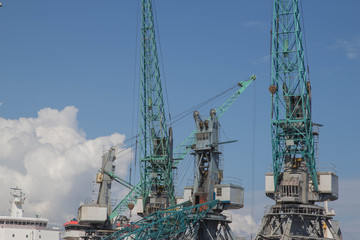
(295,183)
(157,188)
(198,215)
(94,218)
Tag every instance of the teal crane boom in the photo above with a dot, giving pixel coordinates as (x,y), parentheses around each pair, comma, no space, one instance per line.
(295,184)
(291,124)
(155,142)
(176,222)
(184,148)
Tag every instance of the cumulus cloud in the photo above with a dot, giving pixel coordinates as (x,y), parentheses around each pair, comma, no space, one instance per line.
(242,224)
(351,47)
(50,158)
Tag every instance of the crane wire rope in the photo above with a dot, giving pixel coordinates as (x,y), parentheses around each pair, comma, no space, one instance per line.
(209,101)
(213,104)
(271,29)
(135,92)
(305,45)
(253,162)
(183,172)
(162,62)
(183,166)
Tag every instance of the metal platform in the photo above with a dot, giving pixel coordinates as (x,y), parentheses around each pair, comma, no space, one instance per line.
(297,221)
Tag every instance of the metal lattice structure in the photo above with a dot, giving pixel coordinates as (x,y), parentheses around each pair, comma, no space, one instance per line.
(295,184)
(291,125)
(130,198)
(177,222)
(184,148)
(297,221)
(155,142)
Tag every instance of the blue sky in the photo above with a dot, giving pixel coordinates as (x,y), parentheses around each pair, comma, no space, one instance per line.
(83,53)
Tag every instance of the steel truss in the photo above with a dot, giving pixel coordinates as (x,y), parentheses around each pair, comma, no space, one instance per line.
(296,221)
(177,222)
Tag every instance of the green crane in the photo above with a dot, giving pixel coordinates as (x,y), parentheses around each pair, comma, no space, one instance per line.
(183,149)
(155,142)
(291,124)
(295,184)
(177,222)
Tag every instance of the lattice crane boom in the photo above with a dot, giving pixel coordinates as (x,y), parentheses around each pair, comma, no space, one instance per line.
(294,183)
(184,148)
(155,141)
(291,124)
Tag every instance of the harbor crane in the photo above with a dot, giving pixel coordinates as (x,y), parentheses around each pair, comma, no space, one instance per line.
(156,139)
(94,218)
(184,148)
(198,215)
(295,183)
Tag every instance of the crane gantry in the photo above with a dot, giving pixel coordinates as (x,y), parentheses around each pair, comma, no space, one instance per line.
(295,184)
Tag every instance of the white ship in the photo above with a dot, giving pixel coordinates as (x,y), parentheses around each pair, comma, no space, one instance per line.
(16,226)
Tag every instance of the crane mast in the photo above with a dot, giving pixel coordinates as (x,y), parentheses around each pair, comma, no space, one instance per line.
(155,142)
(184,148)
(291,124)
(295,184)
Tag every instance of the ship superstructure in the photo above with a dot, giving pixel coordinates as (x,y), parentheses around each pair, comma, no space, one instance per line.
(18,227)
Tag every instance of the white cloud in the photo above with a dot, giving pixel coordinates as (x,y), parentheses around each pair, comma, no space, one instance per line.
(246,221)
(243,224)
(347,207)
(52,161)
(351,47)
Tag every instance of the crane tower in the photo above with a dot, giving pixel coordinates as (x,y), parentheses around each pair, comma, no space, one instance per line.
(208,184)
(156,140)
(295,184)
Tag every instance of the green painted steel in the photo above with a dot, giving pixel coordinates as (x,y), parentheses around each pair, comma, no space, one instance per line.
(184,148)
(131,197)
(155,150)
(177,222)
(291,124)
